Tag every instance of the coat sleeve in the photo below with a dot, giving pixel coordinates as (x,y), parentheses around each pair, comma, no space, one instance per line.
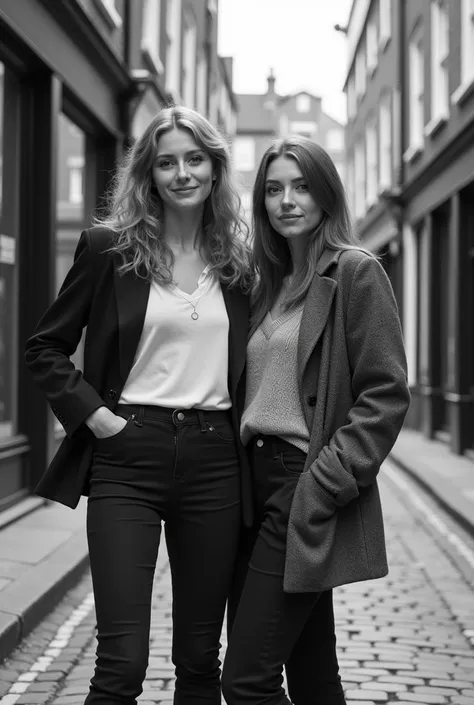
(56,338)
(355,452)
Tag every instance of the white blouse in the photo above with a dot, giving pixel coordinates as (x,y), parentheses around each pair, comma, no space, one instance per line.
(182,357)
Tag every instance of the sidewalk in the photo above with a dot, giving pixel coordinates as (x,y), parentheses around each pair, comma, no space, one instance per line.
(447,477)
(42,555)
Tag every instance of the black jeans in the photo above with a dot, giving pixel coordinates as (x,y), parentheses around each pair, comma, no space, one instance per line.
(179,467)
(270,628)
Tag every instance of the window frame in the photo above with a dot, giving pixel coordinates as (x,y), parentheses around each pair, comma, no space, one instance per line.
(439,67)
(151,35)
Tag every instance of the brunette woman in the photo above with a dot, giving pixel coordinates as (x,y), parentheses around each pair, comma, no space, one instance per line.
(326,396)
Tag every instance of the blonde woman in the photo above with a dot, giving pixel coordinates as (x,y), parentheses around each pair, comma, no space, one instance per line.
(326,395)
(152,422)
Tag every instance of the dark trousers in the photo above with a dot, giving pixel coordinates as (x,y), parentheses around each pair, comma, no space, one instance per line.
(179,467)
(271,629)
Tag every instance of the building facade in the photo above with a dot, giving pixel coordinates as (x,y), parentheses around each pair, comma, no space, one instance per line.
(410,79)
(263,117)
(79,81)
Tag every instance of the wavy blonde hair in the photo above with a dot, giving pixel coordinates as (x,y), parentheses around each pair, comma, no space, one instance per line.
(271,253)
(135,210)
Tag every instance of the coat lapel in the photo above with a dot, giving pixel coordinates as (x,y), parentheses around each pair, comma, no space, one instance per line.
(132,298)
(237,306)
(316,309)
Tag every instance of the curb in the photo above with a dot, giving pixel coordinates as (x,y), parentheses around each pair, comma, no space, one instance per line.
(35,594)
(448,507)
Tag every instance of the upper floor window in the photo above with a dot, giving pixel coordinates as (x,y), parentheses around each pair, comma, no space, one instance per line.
(201,84)
(467,50)
(244,153)
(351,96)
(359,179)
(385,143)
(360,72)
(371,161)
(109,11)
(385,9)
(173,49)
(439,61)
(372,45)
(189,62)
(335,139)
(416,91)
(151,33)
(303,103)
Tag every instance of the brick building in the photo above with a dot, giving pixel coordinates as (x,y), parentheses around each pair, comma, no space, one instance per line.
(78,81)
(263,117)
(410,144)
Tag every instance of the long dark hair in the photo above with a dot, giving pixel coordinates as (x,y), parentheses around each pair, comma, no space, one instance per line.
(272,257)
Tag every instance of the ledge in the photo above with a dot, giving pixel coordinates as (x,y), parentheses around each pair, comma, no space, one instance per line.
(110,14)
(462,93)
(412,153)
(435,126)
(152,59)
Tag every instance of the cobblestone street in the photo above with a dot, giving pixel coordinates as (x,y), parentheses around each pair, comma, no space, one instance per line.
(405,639)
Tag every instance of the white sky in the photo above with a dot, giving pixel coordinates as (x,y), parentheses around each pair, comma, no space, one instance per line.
(294,37)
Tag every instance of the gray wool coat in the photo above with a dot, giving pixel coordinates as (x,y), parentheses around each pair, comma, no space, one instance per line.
(354,392)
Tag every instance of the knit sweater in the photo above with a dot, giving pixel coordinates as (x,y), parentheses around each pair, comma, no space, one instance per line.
(272,403)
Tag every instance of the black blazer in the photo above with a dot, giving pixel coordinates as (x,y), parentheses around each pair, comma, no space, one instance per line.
(113,308)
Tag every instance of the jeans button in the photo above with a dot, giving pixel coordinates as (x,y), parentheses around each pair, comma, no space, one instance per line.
(180,416)
(259,443)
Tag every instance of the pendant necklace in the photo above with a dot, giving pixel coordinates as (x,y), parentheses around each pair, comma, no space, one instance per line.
(195,314)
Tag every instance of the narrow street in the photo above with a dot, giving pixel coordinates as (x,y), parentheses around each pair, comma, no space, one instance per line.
(408,638)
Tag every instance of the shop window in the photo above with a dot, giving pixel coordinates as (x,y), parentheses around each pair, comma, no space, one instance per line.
(70,215)
(7,272)
(244,153)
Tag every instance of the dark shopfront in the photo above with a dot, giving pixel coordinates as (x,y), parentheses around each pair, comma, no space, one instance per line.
(61,130)
(441,215)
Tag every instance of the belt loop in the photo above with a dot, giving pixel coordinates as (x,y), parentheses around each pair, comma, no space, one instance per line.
(201,420)
(139,418)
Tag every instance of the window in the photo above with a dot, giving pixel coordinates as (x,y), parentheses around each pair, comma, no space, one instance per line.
(467,46)
(385,9)
(351,97)
(201,85)
(372,46)
(439,64)
(173,50)
(416,95)
(244,153)
(76,185)
(360,72)
(303,103)
(350,184)
(151,34)
(385,143)
(307,129)
(371,160)
(189,63)
(335,140)
(359,179)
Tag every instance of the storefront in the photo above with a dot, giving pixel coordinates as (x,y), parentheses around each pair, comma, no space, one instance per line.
(63,121)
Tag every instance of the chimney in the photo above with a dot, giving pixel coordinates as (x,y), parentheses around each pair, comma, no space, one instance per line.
(271,83)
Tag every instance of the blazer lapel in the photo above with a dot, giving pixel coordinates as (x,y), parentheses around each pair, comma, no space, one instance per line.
(316,308)
(237,306)
(132,298)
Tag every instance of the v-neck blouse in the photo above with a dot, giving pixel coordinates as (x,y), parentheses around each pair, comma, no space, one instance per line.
(181,362)
(272,403)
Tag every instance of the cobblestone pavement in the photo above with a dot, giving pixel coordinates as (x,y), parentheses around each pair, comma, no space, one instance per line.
(408,638)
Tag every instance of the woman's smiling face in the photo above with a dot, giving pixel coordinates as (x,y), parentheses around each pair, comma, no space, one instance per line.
(182,172)
(291,209)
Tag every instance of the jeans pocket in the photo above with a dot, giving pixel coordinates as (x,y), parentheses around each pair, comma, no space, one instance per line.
(119,434)
(292,464)
(222,431)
